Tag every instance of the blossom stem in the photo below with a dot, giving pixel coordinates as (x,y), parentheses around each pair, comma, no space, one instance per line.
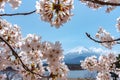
(16,14)
(103,3)
(88,35)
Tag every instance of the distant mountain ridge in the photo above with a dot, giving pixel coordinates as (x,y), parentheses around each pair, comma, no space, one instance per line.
(74,56)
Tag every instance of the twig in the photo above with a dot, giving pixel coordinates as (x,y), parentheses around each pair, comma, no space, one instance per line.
(88,35)
(103,3)
(17,56)
(16,14)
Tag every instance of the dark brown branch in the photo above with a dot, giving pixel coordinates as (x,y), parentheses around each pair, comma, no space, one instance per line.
(14,53)
(16,14)
(88,35)
(103,3)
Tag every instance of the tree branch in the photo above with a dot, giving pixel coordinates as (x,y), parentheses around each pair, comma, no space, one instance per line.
(16,14)
(103,3)
(14,53)
(88,35)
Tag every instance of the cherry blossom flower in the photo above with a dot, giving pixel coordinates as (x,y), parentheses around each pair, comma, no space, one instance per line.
(31,55)
(14,4)
(93,5)
(53,54)
(104,76)
(105,62)
(11,33)
(103,35)
(103,65)
(56,12)
(118,24)
(89,63)
(32,52)
(31,43)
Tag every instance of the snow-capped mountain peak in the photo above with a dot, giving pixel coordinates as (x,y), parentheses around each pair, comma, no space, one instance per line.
(75,55)
(79,50)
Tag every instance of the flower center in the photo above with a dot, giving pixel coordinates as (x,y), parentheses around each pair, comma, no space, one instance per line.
(1,0)
(57,7)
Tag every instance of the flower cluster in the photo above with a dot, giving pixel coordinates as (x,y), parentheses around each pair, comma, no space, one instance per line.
(56,12)
(9,32)
(103,65)
(89,63)
(53,54)
(95,4)
(14,4)
(103,76)
(12,34)
(106,38)
(118,24)
(91,4)
(32,51)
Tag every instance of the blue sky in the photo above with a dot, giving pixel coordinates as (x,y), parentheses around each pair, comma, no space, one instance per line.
(72,33)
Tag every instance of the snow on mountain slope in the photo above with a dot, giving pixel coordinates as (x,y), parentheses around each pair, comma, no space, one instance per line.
(74,56)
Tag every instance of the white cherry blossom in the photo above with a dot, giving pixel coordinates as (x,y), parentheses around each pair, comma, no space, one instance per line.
(14,4)
(104,76)
(103,65)
(118,24)
(103,35)
(56,12)
(32,51)
(89,63)
(93,5)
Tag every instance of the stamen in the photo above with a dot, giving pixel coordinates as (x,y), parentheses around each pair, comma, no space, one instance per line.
(57,7)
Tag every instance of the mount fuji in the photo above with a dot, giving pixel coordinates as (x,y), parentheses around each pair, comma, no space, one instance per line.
(74,56)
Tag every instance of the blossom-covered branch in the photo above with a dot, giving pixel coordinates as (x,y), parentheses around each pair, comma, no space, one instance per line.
(101,2)
(89,36)
(106,41)
(18,57)
(96,4)
(103,65)
(26,55)
(15,14)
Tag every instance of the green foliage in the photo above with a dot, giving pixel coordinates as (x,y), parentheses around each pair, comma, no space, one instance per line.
(118,63)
